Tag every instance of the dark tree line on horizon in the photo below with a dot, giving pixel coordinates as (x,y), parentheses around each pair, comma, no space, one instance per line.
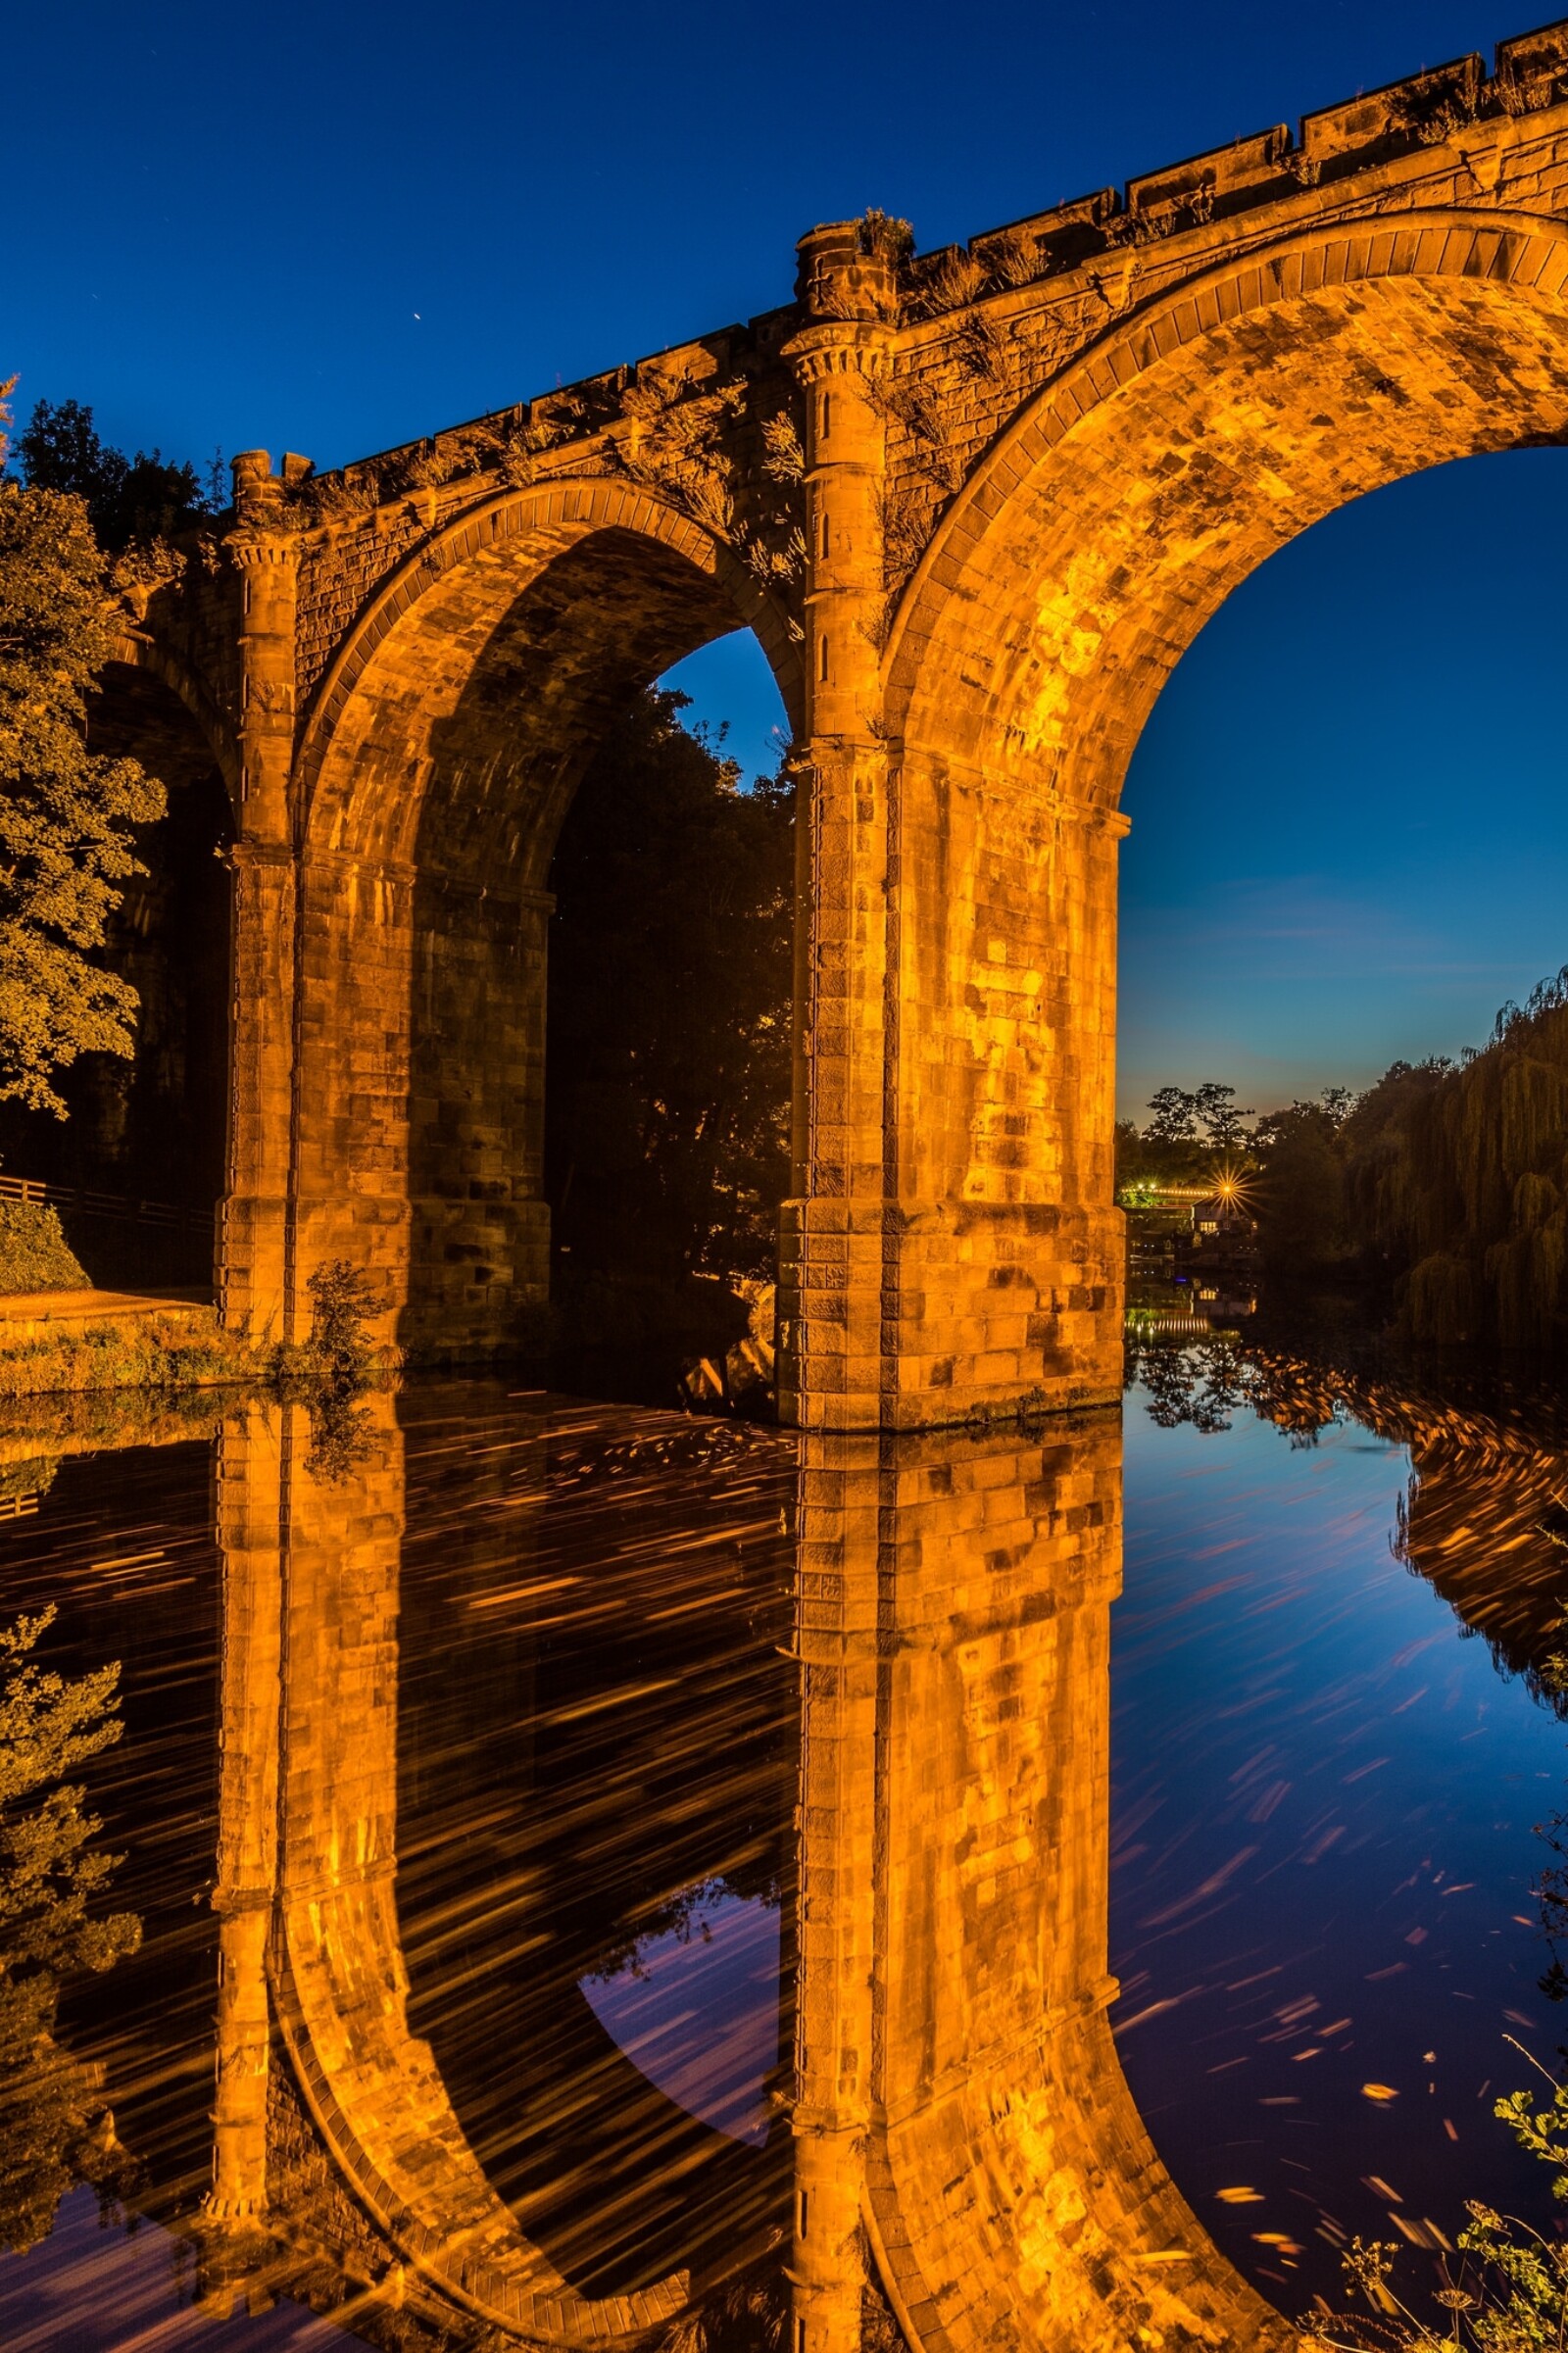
(1448,1177)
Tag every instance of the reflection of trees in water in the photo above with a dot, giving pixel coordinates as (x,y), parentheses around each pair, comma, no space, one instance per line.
(1484,1518)
(1483,1521)
(55,2127)
(1204,1382)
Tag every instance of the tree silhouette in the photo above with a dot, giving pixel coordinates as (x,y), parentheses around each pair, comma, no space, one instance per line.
(55,2127)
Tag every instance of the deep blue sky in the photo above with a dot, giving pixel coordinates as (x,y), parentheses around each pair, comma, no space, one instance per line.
(333,228)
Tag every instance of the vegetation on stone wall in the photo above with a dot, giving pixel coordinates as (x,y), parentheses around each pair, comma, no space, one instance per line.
(329,1371)
(182,1348)
(34,1255)
(669,1016)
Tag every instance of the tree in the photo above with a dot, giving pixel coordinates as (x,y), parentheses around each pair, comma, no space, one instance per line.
(54,2128)
(1301,1200)
(127,499)
(1175,1119)
(1219,1115)
(65,814)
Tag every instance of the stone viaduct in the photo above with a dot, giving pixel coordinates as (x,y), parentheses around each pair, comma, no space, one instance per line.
(974,504)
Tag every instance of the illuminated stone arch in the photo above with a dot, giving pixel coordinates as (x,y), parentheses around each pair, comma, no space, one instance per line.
(436,765)
(146,653)
(1106,525)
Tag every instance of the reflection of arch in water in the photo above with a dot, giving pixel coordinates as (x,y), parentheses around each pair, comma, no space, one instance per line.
(594,1720)
(334,1959)
(958,2089)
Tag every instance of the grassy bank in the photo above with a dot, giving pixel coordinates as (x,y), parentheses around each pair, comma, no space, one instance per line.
(179,1348)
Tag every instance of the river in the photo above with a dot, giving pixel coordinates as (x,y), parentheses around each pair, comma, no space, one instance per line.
(500,1742)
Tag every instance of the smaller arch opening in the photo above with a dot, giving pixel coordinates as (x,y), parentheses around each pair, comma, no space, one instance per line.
(669,1047)
(438,900)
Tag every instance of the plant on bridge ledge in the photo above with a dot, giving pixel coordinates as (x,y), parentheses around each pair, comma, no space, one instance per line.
(884,238)
(330,1371)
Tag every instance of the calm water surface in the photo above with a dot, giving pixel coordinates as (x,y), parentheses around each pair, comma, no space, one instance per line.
(558,1681)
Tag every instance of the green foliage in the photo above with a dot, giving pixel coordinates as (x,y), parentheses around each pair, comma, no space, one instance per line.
(127,499)
(65,815)
(182,1349)
(328,1372)
(670,1009)
(1300,1196)
(54,2128)
(1194,1134)
(34,1255)
(1455,1179)
(1509,2293)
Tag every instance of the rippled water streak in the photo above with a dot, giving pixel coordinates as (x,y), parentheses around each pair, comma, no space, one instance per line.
(1325,1788)
(1325,1793)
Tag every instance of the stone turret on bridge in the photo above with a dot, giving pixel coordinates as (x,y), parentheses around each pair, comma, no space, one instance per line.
(974,504)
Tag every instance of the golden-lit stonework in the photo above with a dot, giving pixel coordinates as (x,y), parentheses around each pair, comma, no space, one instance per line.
(975,505)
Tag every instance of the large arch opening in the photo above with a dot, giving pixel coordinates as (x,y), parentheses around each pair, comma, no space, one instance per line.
(1347,839)
(147,1134)
(1108,526)
(455,732)
(1106,529)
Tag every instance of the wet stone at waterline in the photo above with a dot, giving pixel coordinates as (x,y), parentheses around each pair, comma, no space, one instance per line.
(505,1934)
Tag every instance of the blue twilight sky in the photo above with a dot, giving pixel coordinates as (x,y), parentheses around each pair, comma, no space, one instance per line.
(331,228)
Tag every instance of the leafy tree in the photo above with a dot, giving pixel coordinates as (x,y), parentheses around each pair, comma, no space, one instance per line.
(670,1008)
(1301,1217)
(1457,1182)
(1219,1115)
(127,499)
(65,814)
(329,1372)
(54,2128)
(1175,1119)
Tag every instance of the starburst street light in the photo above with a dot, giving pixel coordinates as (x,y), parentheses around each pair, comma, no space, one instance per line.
(1231,1185)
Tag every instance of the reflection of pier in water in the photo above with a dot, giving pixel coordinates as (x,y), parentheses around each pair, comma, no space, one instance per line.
(467,1780)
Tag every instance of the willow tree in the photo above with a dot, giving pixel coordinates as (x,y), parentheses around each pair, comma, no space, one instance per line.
(65,813)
